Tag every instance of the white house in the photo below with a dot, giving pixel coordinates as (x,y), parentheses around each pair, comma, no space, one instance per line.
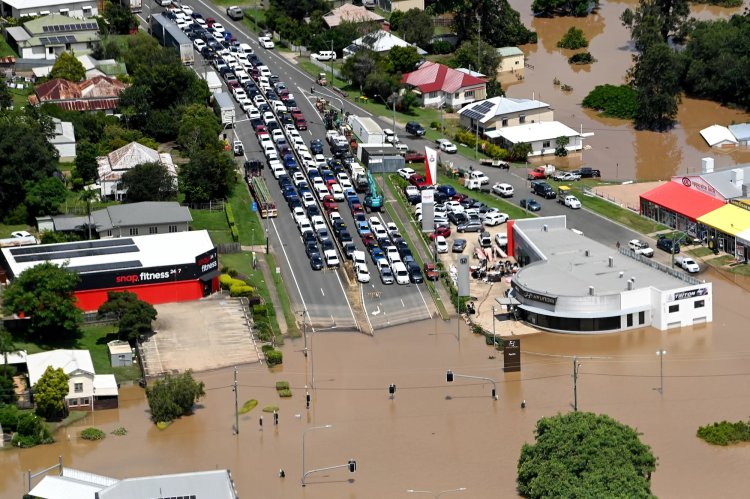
(500,112)
(31,8)
(88,391)
(402,5)
(49,36)
(64,139)
(718,136)
(542,137)
(113,166)
(511,60)
(438,85)
(379,41)
(741,132)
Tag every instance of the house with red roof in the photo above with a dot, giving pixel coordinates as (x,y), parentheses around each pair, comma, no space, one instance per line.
(100,93)
(438,85)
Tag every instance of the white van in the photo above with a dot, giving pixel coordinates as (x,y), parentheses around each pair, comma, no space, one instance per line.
(264,71)
(478,175)
(247,49)
(321,190)
(399,270)
(277,168)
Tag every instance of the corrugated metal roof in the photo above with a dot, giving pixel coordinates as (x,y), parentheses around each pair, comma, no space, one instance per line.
(432,76)
(68,360)
(350,13)
(717,135)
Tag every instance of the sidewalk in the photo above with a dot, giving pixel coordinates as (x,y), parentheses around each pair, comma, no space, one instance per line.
(260,252)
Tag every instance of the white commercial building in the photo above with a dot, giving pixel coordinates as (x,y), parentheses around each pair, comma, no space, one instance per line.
(542,137)
(569,283)
(31,8)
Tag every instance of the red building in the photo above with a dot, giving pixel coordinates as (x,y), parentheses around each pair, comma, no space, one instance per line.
(160,268)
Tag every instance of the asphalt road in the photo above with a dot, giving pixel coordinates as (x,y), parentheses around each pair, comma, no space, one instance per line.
(324,294)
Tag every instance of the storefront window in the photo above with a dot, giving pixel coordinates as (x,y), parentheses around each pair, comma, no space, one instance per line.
(571,323)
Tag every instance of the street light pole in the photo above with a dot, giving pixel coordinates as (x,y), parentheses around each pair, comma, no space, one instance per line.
(576,367)
(661,354)
(435,495)
(304,433)
(494,338)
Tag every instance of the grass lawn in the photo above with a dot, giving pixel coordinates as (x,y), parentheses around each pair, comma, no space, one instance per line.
(314,70)
(5,48)
(248,223)
(215,222)
(5,230)
(251,15)
(93,338)
(286,306)
(700,252)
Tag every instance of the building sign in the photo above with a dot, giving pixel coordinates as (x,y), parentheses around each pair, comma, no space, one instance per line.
(204,263)
(698,184)
(512,356)
(690,293)
(463,276)
(740,204)
(530,295)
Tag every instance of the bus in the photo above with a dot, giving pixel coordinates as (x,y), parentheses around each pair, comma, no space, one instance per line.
(266,204)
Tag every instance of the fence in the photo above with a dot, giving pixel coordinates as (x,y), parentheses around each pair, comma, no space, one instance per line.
(660,266)
(226,248)
(217,205)
(327,67)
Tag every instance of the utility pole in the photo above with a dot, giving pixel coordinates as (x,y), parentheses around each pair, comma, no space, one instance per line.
(661,354)
(236,407)
(576,366)
(479,44)
(494,338)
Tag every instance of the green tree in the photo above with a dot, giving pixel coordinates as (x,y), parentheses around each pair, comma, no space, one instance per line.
(44,293)
(120,20)
(25,156)
(359,66)
(7,347)
(209,175)
(199,129)
(573,39)
(45,196)
(656,79)
(50,237)
(149,182)
(551,8)
(85,162)
(68,67)
(466,56)
(656,18)
(618,101)
(31,431)
(494,89)
(415,27)
(519,152)
(134,316)
(581,454)
(395,19)
(406,102)
(403,59)
(501,24)
(561,142)
(173,396)
(50,392)
(6,99)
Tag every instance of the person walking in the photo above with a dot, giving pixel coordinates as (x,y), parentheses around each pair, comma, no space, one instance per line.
(617,245)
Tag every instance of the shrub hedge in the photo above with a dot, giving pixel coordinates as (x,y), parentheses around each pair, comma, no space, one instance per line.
(274,357)
(725,433)
(92,434)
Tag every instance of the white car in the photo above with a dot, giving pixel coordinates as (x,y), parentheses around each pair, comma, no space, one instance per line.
(218,28)
(337,192)
(363,275)
(447,146)
(324,55)
(331,259)
(299,214)
(391,252)
(641,248)
(266,42)
(308,199)
(688,264)
(503,190)
(406,173)
(402,275)
(390,135)
(199,44)
(441,245)
(401,148)
(495,218)
(305,226)
(318,222)
(320,160)
(187,10)
(253,113)
(572,202)
(501,239)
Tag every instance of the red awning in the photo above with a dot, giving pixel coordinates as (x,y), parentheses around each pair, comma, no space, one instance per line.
(683,200)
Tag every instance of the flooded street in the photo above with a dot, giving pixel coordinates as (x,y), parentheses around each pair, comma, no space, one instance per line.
(434,435)
(619,151)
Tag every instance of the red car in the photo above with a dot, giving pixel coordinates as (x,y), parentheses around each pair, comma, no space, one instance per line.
(441,231)
(431,271)
(418,181)
(369,240)
(459,197)
(210,21)
(329,204)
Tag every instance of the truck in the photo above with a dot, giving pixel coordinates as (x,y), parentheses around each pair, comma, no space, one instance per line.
(687,263)
(213,81)
(540,172)
(367,130)
(414,157)
(170,35)
(474,184)
(224,107)
(18,238)
(235,13)
(496,163)
(360,180)
(373,199)
(133,5)
(262,196)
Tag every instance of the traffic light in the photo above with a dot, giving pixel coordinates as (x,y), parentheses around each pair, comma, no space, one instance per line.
(307,400)
(391,390)
(352,466)
(494,394)
(275,418)
(449,376)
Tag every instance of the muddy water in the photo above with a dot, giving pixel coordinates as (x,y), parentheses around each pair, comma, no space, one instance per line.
(618,150)
(434,435)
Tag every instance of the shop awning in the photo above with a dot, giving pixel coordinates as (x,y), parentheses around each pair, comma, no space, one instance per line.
(682,200)
(210,275)
(728,219)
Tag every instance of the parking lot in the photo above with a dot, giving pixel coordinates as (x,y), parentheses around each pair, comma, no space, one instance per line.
(199,335)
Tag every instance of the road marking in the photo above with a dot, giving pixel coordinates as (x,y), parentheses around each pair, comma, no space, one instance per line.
(367,316)
(402,303)
(322,292)
(286,257)
(376,311)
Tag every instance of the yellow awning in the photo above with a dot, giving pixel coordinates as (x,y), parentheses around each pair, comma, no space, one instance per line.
(728,219)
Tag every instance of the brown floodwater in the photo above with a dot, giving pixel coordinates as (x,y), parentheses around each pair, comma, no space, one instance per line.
(436,436)
(616,148)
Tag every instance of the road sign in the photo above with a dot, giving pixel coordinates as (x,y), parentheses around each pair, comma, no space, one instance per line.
(254,207)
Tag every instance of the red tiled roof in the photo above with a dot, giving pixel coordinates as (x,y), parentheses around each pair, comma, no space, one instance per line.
(432,76)
(683,200)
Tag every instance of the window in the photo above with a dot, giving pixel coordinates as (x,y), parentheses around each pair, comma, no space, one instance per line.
(172,228)
(457,95)
(78,387)
(73,403)
(64,12)
(674,308)
(469,94)
(546,143)
(153,229)
(641,318)
(630,320)
(522,118)
(433,95)
(134,231)
(109,233)
(85,401)
(505,122)
(699,304)
(516,63)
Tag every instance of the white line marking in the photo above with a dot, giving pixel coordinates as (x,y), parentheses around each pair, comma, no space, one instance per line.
(322,292)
